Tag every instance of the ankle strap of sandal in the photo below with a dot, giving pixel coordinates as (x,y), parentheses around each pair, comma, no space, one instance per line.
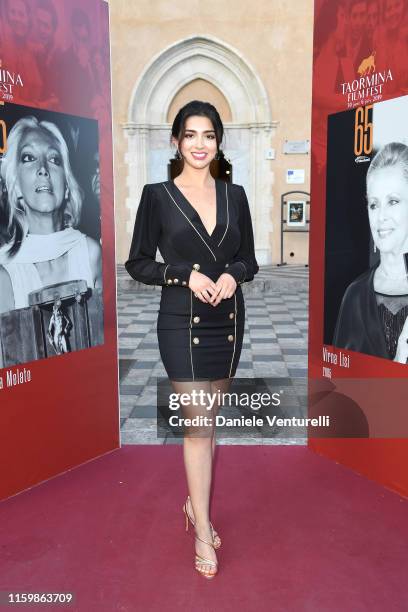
(205,541)
(188,501)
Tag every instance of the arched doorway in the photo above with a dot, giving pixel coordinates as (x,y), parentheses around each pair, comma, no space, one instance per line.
(248,133)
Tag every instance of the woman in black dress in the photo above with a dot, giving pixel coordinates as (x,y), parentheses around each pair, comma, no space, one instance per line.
(203,230)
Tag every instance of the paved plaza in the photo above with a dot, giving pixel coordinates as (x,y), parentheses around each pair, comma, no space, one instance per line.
(275,345)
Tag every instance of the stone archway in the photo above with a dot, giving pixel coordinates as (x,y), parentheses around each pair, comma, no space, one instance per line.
(247,136)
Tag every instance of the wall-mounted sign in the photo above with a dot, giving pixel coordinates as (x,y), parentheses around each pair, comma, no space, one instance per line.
(295,176)
(296,147)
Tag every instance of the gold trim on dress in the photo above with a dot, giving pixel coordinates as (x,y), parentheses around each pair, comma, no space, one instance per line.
(226,229)
(164,273)
(194,228)
(191,324)
(245,275)
(235,333)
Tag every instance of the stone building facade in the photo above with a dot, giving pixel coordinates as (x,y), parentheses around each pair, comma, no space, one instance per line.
(253,61)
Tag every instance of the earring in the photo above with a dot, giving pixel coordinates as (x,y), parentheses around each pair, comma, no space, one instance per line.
(217,156)
(178,155)
(375,248)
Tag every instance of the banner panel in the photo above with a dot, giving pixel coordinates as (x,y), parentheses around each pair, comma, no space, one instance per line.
(58,341)
(359,243)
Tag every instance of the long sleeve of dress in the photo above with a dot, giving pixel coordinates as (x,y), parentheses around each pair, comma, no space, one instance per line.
(142,265)
(244,265)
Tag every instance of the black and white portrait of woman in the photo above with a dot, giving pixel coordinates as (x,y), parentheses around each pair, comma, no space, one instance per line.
(48,237)
(44,202)
(373,317)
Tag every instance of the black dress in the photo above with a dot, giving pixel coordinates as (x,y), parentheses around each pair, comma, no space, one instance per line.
(367,321)
(197,341)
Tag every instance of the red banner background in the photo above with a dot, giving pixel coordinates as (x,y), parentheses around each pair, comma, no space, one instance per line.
(68,413)
(341,43)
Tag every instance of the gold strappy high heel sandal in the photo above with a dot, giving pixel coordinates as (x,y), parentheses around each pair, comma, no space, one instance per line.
(216,538)
(202,561)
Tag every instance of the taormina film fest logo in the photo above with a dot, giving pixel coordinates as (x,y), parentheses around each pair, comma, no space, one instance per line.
(369,86)
(9,80)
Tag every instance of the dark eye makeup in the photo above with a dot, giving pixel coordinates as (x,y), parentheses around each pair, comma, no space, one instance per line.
(53,157)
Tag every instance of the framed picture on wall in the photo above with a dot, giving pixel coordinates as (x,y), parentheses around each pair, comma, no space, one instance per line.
(296,213)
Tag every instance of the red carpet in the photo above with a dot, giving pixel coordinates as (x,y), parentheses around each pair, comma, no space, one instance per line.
(300,533)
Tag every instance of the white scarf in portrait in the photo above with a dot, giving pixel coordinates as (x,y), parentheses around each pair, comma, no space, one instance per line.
(42,247)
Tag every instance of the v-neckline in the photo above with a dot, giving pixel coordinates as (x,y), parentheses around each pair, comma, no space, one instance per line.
(196,213)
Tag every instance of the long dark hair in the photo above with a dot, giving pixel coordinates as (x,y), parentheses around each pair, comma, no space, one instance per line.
(202,109)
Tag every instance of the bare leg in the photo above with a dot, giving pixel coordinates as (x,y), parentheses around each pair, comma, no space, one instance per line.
(198,463)
(217,386)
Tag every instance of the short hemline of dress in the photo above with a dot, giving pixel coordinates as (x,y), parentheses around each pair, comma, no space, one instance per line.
(198,341)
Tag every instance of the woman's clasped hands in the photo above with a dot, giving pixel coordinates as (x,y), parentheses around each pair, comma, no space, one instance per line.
(209,292)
